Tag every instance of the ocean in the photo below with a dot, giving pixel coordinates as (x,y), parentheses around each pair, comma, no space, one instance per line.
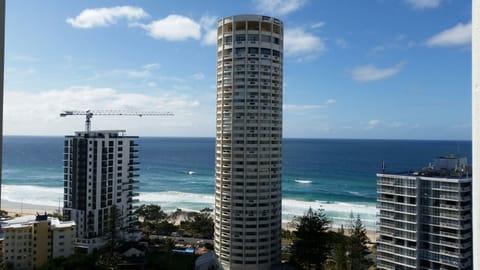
(338,175)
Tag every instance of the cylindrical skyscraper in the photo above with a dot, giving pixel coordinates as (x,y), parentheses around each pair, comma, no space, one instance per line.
(248,162)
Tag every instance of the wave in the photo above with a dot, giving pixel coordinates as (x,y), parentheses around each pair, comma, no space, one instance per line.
(191,172)
(47,196)
(339,212)
(303,181)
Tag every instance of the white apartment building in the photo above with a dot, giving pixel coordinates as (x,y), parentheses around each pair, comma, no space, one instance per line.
(425,217)
(28,242)
(100,177)
(248,162)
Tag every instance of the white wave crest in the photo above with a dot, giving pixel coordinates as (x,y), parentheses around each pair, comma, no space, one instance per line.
(303,181)
(171,200)
(47,196)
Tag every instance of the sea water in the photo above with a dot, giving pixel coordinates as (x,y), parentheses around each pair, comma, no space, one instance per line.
(337,175)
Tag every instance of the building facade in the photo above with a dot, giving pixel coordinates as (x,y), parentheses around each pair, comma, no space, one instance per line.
(30,242)
(248,161)
(100,185)
(425,217)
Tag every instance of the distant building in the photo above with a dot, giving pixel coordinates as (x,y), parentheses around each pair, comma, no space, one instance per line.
(425,217)
(31,241)
(248,161)
(100,185)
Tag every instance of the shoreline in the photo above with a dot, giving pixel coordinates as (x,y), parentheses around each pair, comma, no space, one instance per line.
(23,209)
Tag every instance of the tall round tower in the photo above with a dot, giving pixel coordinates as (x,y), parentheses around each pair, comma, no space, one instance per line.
(248,162)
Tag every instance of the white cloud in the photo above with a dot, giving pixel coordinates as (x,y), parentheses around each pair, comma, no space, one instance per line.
(376,123)
(398,42)
(342,43)
(299,42)
(198,76)
(373,73)
(173,28)
(459,35)
(278,7)
(208,21)
(208,24)
(144,72)
(210,37)
(293,107)
(330,101)
(317,25)
(90,18)
(38,112)
(423,4)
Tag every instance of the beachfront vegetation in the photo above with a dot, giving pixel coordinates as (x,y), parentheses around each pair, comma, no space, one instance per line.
(316,246)
(312,244)
(153,220)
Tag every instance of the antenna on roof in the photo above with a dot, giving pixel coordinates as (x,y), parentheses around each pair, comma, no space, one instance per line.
(383,166)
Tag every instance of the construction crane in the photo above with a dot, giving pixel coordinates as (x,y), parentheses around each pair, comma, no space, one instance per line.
(90,113)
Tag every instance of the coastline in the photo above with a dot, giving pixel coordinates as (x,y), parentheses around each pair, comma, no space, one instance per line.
(22,209)
(371,233)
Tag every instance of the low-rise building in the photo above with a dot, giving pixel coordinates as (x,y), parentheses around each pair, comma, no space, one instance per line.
(30,241)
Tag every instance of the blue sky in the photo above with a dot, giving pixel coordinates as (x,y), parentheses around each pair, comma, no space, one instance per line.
(389,69)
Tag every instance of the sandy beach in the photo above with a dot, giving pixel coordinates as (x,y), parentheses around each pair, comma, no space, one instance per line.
(21,209)
(372,234)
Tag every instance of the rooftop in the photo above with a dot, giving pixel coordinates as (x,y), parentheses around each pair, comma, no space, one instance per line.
(441,167)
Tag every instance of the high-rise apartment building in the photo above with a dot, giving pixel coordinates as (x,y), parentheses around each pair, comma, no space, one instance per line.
(476,129)
(28,242)
(248,162)
(425,217)
(100,185)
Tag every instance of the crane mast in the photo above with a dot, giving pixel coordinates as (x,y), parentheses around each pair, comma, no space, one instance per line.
(90,113)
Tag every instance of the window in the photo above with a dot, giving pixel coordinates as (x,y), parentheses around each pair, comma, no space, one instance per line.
(265,51)
(240,26)
(253,50)
(240,38)
(253,26)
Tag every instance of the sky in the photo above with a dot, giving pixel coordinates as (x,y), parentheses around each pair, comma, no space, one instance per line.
(371,69)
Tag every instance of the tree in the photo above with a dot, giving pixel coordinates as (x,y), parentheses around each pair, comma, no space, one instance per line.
(165,227)
(338,258)
(199,224)
(151,212)
(152,215)
(358,251)
(312,240)
(174,215)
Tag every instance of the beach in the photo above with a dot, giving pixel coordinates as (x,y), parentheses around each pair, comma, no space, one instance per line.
(21,209)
